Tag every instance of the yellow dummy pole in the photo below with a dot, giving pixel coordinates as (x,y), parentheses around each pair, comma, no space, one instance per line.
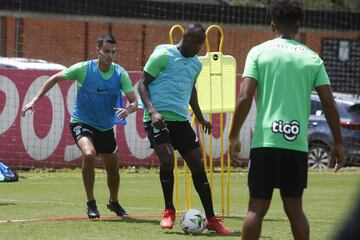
(186,187)
(172,30)
(222,163)
(190,180)
(176,184)
(211,167)
(204,150)
(228,174)
(216,93)
(175,157)
(221,37)
(221,124)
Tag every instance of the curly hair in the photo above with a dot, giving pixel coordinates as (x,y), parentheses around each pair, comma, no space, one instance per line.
(286,11)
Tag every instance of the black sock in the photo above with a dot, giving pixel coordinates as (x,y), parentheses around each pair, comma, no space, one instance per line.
(202,186)
(167,184)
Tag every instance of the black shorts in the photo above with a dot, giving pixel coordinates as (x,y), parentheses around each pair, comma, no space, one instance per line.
(180,134)
(104,141)
(271,168)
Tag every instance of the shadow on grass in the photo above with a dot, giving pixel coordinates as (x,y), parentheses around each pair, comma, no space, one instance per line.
(275,220)
(130,220)
(207,234)
(7,204)
(234,217)
(240,218)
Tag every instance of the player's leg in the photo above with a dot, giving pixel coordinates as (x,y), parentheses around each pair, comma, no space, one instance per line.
(252,224)
(165,154)
(194,161)
(83,136)
(89,157)
(113,177)
(161,143)
(184,140)
(298,221)
(292,184)
(262,179)
(113,181)
(200,180)
(107,148)
(349,229)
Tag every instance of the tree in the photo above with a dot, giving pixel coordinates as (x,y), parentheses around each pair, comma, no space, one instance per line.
(329,5)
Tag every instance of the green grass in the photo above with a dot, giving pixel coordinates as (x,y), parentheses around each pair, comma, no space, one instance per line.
(42,194)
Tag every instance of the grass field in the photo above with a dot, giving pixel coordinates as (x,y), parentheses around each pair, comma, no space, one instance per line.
(43,194)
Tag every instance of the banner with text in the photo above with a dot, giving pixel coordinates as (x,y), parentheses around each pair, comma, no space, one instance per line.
(43,139)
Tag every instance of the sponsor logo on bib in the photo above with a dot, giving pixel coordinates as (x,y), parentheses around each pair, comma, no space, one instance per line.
(290,131)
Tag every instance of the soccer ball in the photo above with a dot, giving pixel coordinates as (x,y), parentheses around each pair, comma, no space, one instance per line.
(193,222)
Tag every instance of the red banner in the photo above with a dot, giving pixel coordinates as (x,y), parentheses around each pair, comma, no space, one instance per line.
(43,139)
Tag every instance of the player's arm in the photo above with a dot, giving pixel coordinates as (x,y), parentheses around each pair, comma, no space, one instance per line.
(157,119)
(43,90)
(242,108)
(132,107)
(128,89)
(132,102)
(247,91)
(243,105)
(156,63)
(143,88)
(333,119)
(194,103)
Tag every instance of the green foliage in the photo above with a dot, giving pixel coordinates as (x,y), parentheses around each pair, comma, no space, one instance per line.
(49,194)
(259,3)
(328,5)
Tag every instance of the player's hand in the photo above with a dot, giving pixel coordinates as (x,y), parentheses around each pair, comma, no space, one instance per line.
(234,150)
(157,120)
(121,113)
(337,156)
(28,107)
(206,126)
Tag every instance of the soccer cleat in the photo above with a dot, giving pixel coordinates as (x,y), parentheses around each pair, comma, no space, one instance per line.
(213,223)
(92,210)
(115,207)
(168,218)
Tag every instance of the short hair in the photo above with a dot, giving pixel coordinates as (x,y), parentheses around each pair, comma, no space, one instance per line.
(105,37)
(193,27)
(286,11)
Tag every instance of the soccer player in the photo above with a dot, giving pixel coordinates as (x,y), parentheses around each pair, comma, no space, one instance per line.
(350,228)
(100,84)
(166,87)
(284,73)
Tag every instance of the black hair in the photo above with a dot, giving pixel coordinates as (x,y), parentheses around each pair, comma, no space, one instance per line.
(105,37)
(193,27)
(286,11)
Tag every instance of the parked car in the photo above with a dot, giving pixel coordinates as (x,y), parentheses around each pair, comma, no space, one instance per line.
(27,63)
(320,138)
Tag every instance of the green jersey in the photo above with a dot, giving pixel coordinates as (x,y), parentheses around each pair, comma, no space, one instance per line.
(155,65)
(175,77)
(286,73)
(88,77)
(78,73)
